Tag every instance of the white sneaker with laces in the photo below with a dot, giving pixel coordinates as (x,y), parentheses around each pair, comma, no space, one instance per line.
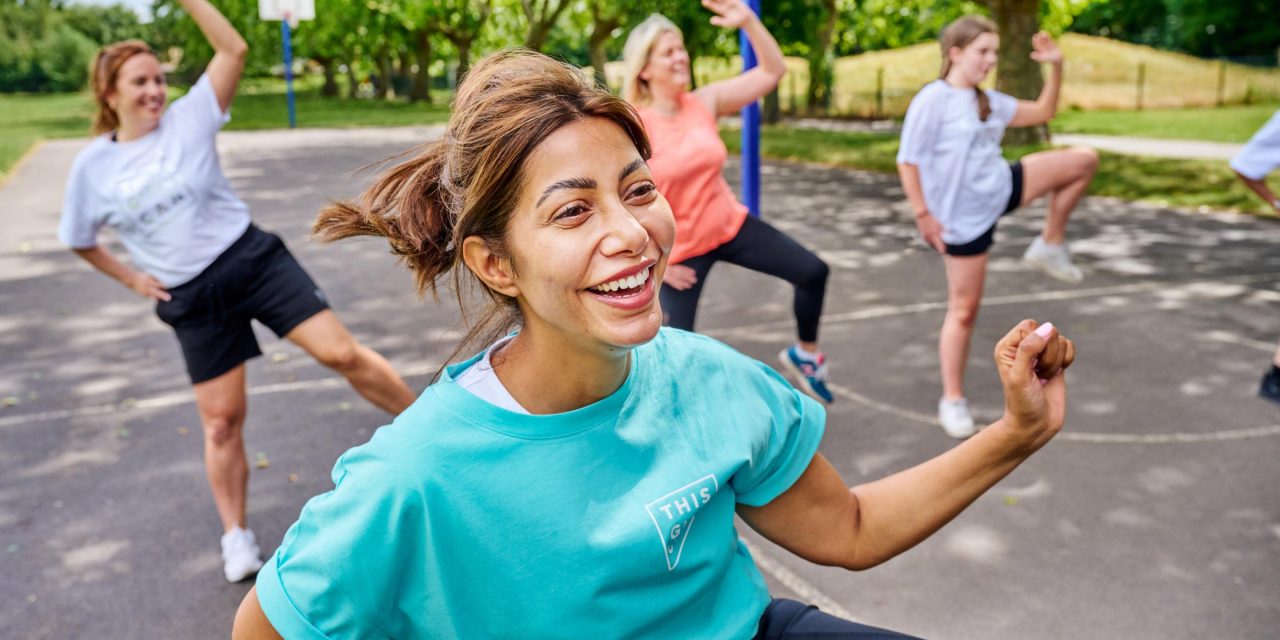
(955,418)
(241,556)
(1053,259)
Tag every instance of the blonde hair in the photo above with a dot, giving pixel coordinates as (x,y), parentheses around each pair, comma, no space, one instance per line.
(959,34)
(103,76)
(635,55)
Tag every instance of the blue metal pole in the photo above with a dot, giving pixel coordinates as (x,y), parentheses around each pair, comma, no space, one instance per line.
(750,129)
(288,70)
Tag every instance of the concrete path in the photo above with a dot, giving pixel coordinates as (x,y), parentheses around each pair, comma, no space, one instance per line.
(1187,149)
(1135,146)
(1154,514)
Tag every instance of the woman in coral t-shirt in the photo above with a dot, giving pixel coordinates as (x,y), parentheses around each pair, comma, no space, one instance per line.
(688,164)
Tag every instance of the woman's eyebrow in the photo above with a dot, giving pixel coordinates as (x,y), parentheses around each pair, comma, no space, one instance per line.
(570,183)
(627,170)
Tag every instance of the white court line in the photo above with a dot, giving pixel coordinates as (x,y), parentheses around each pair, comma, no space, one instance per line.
(184,397)
(808,593)
(1223,336)
(1077,436)
(1017,298)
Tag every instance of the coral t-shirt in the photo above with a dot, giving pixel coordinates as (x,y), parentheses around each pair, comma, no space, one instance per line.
(687,166)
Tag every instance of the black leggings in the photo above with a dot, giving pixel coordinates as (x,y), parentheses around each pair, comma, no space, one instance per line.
(791,620)
(759,247)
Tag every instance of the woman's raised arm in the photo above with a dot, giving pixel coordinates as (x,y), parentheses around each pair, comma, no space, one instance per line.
(229,49)
(728,96)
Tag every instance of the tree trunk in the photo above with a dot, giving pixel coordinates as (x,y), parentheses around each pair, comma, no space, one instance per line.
(353,83)
(822,62)
(599,36)
(1016,73)
(602,27)
(404,72)
(541,18)
(536,37)
(772,111)
(464,60)
(386,82)
(421,91)
(330,88)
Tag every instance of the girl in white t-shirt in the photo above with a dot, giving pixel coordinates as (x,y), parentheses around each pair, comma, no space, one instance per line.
(153,176)
(959,184)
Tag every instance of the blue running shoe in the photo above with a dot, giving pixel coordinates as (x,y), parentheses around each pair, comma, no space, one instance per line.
(812,373)
(1270,387)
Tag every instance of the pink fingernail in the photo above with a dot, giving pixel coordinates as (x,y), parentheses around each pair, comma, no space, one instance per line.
(1045,329)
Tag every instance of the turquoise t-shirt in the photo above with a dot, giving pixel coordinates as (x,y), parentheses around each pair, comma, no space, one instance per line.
(465,520)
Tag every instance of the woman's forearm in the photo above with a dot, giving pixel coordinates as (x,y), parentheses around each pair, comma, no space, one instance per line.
(897,512)
(103,261)
(768,53)
(216,28)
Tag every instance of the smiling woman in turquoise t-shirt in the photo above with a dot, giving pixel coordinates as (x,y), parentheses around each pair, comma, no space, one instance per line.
(580,479)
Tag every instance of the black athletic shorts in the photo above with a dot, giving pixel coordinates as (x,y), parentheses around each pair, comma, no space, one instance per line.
(255,278)
(790,620)
(982,243)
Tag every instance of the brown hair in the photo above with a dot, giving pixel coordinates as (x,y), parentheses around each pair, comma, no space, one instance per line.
(103,76)
(959,34)
(468,183)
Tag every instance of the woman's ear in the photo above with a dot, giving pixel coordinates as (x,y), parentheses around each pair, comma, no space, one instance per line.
(493,269)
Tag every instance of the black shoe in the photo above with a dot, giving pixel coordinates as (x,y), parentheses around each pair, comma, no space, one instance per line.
(1270,388)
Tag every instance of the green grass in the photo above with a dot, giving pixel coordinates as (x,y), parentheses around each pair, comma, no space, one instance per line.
(1167,182)
(269,111)
(27,119)
(1099,74)
(1224,124)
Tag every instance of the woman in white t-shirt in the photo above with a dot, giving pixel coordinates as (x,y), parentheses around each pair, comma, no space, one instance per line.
(959,184)
(153,176)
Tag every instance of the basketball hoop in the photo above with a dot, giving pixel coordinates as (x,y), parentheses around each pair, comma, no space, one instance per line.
(291,11)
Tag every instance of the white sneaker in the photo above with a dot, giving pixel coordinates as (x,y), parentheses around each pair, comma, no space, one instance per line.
(241,556)
(1053,259)
(955,418)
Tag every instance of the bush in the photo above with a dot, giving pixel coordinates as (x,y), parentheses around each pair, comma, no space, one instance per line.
(65,60)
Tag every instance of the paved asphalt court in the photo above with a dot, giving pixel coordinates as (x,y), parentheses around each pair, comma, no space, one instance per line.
(1155,514)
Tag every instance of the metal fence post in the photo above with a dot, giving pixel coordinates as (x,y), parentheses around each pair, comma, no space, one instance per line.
(1222,83)
(880,92)
(1142,78)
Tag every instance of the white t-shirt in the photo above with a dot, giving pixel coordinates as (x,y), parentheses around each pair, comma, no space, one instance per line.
(1261,155)
(164,194)
(482,381)
(965,178)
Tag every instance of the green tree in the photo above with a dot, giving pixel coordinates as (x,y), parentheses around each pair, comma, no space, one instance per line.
(461,22)
(540,17)
(172,28)
(607,17)
(105,24)
(1198,27)
(40,50)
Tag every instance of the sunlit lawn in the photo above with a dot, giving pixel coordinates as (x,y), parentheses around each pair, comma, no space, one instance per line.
(26,119)
(1224,124)
(1168,182)
(261,105)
